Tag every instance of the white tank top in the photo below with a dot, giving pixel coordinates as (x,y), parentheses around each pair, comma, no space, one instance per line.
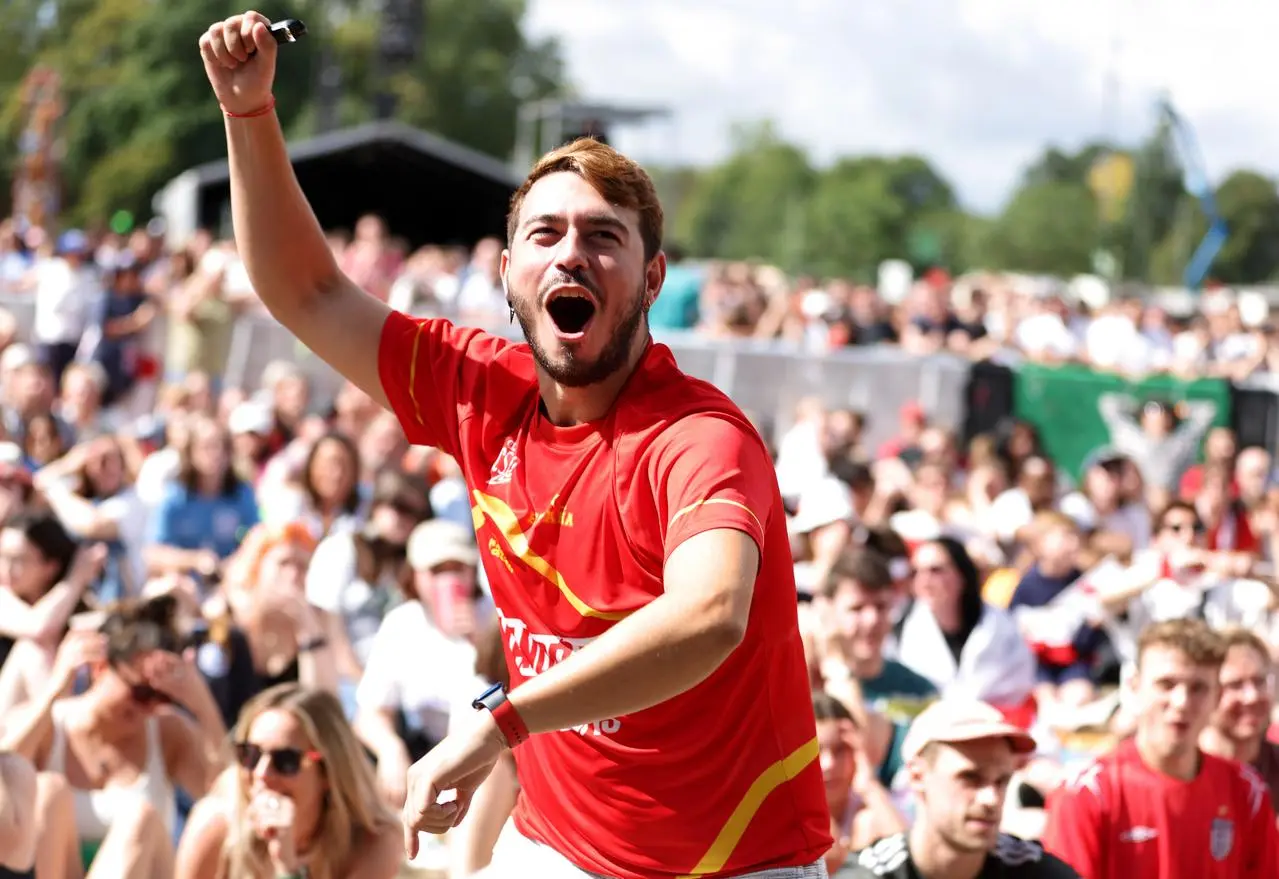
(95,809)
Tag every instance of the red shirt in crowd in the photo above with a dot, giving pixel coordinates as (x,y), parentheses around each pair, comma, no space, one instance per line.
(1120,818)
(575,525)
(1234,533)
(1192,483)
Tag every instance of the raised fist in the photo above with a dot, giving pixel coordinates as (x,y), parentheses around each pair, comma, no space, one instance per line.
(239,58)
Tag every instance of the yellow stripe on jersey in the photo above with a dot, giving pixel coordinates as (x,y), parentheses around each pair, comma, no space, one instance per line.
(417,338)
(509,524)
(714,500)
(735,827)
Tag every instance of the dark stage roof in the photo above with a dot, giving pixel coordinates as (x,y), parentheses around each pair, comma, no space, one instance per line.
(428,189)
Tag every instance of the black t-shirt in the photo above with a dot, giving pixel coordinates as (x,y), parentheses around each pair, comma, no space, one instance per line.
(1011,858)
(228,670)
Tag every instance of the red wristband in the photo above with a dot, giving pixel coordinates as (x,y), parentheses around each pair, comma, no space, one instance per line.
(508,720)
(261,111)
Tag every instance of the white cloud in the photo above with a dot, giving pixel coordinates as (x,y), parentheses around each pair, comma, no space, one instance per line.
(978,86)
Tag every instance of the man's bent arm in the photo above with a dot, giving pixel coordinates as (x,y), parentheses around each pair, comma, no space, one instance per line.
(288,259)
(666,648)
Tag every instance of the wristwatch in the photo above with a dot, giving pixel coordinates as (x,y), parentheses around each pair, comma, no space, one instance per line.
(504,714)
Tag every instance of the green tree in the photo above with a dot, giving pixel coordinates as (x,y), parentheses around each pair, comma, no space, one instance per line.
(1153,206)
(1249,206)
(474,70)
(1057,166)
(752,205)
(139,109)
(1047,227)
(865,210)
(852,216)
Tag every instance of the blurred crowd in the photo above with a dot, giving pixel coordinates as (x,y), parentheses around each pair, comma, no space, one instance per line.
(198,292)
(931,568)
(208,593)
(1229,334)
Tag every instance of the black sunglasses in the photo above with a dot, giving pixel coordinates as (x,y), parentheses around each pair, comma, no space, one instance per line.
(145,694)
(284,761)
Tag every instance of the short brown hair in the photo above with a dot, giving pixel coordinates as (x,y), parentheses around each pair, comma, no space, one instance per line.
(1175,506)
(1238,636)
(859,565)
(827,707)
(136,626)
(620,180)
(1194,638)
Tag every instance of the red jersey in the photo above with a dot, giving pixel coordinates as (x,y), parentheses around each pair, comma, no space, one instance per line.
(575,525)
(1120,818)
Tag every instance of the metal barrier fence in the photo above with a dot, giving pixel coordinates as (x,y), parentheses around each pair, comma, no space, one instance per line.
(764,378)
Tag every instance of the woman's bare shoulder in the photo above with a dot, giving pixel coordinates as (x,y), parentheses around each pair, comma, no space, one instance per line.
(378,855)
(199,854)
(210,821)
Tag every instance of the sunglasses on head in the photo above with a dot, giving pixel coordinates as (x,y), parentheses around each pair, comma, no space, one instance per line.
(284,761)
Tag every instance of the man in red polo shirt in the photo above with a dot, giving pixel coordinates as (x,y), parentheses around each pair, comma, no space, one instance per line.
(1159,807)
(628,516)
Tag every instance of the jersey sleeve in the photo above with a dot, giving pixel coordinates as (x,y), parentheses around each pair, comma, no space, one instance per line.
(432,373)
(713,473)
(1073,832)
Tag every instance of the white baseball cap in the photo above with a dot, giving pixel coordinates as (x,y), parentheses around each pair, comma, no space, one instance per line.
(949,721)
(823,503)
(437,541)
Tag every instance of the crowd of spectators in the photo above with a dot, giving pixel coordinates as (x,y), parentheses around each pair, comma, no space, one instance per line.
(208,592)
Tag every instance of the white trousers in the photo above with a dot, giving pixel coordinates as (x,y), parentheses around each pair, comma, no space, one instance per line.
(517,857)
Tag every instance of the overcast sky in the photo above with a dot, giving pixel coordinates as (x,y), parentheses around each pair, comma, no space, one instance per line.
(978,86)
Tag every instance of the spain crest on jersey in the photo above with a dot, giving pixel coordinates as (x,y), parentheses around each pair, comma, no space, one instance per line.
(504,467)
(1222,839)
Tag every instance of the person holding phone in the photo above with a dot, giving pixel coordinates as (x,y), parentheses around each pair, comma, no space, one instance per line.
(123,744)
(629,519)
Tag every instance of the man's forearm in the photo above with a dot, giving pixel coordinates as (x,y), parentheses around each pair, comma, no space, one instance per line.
(660,651)
(276,233)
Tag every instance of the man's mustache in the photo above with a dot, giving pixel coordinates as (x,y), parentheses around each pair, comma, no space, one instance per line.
(577,278)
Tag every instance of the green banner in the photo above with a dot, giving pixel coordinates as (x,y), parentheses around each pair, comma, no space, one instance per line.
(1076,409)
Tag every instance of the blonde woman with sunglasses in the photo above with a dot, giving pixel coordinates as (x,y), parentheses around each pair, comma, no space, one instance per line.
(302,803)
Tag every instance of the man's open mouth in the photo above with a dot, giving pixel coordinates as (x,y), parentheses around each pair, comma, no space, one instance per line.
(570,311)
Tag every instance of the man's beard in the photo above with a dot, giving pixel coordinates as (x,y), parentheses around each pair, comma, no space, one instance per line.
(570,372)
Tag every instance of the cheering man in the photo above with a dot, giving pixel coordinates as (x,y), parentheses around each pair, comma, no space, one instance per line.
(1242,720)
(1158,807)
(632,528)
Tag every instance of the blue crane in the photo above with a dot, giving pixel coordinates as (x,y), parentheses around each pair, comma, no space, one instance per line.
(1197,184)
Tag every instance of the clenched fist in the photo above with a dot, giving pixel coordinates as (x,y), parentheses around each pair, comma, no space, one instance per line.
(239,58)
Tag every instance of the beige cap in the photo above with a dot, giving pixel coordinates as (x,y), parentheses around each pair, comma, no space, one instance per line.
(960,720)
(437,541)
